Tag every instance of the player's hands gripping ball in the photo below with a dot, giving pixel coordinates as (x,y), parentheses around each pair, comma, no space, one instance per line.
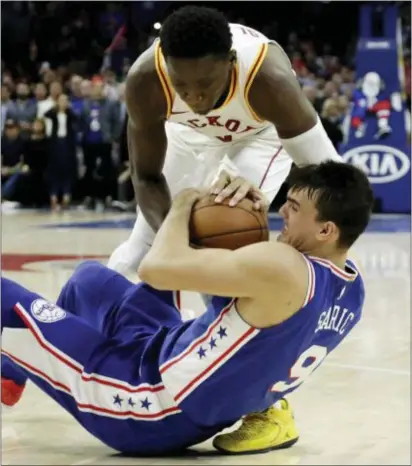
(237,217)
(236,188)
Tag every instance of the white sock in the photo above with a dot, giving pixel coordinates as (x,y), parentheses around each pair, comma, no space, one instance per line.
(126,258)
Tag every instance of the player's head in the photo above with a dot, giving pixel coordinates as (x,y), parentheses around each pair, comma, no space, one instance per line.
(196,42)
(328,207)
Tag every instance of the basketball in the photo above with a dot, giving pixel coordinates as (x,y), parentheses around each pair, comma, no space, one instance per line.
(222,226)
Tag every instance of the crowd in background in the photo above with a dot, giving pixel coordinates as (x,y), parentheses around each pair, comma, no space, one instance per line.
(63,117)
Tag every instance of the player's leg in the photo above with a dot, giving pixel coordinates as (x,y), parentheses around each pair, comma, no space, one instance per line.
(115,306)
(13,382)
(92,293)
(211,397)
(88,374)
(180,169)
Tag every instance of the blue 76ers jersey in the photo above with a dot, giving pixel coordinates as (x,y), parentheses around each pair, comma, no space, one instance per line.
(152,383)
(219,368)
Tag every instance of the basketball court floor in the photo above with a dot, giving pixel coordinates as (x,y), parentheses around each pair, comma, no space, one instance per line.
(355,410)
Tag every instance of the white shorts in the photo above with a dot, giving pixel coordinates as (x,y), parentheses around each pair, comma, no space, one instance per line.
(193,160)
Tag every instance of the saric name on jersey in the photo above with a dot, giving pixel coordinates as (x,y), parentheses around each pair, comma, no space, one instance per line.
(336,318)
(232,125)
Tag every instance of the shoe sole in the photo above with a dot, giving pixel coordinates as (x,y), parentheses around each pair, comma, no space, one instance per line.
(284,445)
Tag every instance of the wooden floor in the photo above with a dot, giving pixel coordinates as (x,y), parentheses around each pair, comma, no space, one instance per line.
(354,410)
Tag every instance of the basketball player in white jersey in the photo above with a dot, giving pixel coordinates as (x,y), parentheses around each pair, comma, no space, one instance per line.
(208,96)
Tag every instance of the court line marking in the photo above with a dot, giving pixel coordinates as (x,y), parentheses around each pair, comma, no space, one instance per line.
(368,368)
(22,447)
(90,460)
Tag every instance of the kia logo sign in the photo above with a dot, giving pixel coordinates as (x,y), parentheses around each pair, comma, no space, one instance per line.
(382,164)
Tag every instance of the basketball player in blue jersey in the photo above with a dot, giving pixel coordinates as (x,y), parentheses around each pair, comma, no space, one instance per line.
(119,358)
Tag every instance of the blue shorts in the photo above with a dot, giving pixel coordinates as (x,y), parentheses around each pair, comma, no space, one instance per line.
(96,354)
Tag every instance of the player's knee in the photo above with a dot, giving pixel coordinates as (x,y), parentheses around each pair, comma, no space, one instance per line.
(84,277)
(84,272)
(88,267)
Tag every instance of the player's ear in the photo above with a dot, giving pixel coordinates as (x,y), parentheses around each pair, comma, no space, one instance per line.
(328,231)
(232,56)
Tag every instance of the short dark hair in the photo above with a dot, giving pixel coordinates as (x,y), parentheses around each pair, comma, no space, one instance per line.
(194,32)
(342,193)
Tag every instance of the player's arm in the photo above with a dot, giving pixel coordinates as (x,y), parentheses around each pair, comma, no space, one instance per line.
(276,96)
(146,139)
(171,264)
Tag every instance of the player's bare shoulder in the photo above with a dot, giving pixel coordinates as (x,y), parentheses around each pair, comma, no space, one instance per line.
(144,94)
(280,275)
(276,96)
(274,74)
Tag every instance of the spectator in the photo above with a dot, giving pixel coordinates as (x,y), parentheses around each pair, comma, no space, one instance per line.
(100,128)
(343,106)
(337,81)
(110,85)
(348,92)
(312,94)
(329,91)
(297,62)
(86,88)
(313,63)
(12,149)
(76,97)
(40,99)
(22,110)
(330,118)
(348,79)
(31,187)
(55,90)
(125,68)
(306,78)
(62,166)
(320,83)
(5,104)
(7,80)
(123,123)
(47,74)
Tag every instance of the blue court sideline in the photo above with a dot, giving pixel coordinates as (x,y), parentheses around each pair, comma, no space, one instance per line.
(380,223)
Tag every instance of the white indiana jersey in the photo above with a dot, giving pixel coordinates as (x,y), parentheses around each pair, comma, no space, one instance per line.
(234,119)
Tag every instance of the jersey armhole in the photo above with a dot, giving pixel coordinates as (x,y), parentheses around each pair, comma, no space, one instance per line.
(257,63)
(164,80)
(310,293)
(354,262)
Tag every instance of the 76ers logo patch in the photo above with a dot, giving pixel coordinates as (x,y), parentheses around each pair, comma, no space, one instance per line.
(46,312)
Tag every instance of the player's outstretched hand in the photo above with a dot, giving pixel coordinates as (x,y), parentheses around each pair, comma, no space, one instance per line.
(237,188)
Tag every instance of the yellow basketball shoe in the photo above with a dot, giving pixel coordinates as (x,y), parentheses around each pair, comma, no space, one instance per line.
(271,429)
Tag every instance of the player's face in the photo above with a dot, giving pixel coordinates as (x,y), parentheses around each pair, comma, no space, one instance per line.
(301,229)
(200,82)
